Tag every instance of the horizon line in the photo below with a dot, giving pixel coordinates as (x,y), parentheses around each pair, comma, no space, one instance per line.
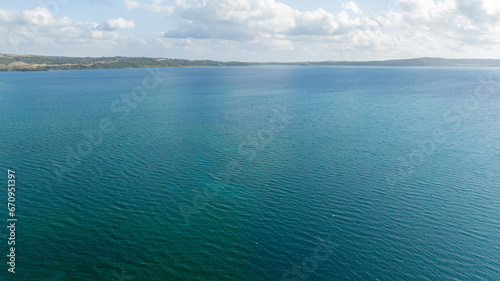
(257,62)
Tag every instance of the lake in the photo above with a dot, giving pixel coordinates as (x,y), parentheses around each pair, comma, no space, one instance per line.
(253,173)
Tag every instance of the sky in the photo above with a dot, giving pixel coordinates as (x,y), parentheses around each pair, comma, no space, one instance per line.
(253,30)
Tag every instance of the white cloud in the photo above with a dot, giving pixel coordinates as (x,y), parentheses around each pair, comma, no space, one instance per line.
(480,10)
(410,28)
(37,29)
(257,25)
(471,22)
(156,6)
(116,24)
(260,30)
(132,4)
(38,17)
(251,19)
(352,6)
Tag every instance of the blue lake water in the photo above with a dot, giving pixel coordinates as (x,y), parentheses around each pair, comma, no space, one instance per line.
(253,173)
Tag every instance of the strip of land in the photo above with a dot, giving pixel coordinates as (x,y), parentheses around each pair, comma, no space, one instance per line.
(44,63)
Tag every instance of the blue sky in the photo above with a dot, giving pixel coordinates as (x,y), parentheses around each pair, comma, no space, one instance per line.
(253,30)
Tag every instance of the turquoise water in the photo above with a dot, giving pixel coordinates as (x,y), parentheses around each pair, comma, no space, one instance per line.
(253,173)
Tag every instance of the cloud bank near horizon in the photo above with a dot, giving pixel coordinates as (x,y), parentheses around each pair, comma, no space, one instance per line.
(263,30)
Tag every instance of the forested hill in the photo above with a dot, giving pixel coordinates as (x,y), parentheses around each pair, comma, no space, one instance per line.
(36,63)
(28,63)
(420,62)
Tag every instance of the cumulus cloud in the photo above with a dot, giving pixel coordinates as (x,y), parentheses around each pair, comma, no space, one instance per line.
(270,25)
(480,10)
(469,22)
(271,30)
(116,24)
(250,19)
(352,6)
(428,27)
(37,17)
(39,28)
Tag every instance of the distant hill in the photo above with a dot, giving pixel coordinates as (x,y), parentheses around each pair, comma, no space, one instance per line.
(41,63)
(419,62)
(37,63)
